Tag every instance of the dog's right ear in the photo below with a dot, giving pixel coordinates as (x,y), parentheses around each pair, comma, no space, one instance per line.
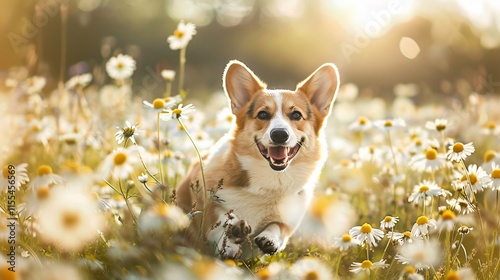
(240,83)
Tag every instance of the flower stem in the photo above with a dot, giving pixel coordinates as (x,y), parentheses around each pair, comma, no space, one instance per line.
(395,169)
(182,63)
(168,90)
(202,176)
(159,148)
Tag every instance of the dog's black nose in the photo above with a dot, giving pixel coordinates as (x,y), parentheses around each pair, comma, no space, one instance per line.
(279,135)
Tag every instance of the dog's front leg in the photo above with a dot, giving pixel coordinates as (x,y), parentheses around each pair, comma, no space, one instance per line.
(273,238)
(229,235)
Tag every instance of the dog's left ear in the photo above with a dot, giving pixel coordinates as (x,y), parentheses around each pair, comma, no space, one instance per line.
(321,88)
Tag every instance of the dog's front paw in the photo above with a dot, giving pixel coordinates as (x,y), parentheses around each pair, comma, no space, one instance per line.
(267,244)
(238,232)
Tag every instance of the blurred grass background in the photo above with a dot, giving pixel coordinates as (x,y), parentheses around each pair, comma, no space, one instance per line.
(281,40)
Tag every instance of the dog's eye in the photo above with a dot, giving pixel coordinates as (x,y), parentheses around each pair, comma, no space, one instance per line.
(296,116)
(263,115)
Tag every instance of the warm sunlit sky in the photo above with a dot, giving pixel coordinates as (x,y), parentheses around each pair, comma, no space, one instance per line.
(375,43)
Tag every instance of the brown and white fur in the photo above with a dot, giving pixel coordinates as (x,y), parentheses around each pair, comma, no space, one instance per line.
(269,163)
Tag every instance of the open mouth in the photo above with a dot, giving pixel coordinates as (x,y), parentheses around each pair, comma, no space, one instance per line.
(278,156)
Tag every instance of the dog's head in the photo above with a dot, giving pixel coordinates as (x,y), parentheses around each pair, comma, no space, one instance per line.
(276,124)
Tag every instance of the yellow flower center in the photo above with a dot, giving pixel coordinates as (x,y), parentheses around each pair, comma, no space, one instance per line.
(366,228)
(448,215)
(158,103)
(458,147)
(120,65)
(422,220)
(489,155)
(410,269)
(43,192)
(431,154)
(311,275)
(230,262)
(44,170)
(424,189)
(452,275)
(491,125)
(407,234)
(319,207)
(388,219)
(70,220)
(37,128)
(418,142)
(345,162)
(388,123)
(120,158)
(161,209)
(472,177)
(264,274)
(346,238)
(91,257)
(366,264)
(179,34)
(5,171)
(371,149)
(177,111)
(495,174)
(362,120)
(440,127)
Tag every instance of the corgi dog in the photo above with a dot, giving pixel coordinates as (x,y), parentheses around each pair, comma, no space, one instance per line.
(258,180)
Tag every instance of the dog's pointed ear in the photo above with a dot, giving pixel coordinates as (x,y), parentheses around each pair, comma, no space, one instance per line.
(321,88)
(240,83)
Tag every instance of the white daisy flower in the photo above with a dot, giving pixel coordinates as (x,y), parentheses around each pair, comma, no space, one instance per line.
(181,112)
(426,189)
(495,177)
(45,178)
(420,255)
(459,151)
(464,230)
(460,205)
(18,171)
(36,199)
(404,237)
(437,125)
(446,220)
(120,163)
(120,67)
(161,104)
(79,81)
(310,268)
(69,220)
(161,217)
(362,124)
(410,273)
(388,222)
(182,35)
(462,273)
(345,242)
(366,233)
(127,132)
(490,128)
(388,125)
(367,266)
(429,161)
(479,179)
(422,225)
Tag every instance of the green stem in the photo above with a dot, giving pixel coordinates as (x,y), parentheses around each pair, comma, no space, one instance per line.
(182,63)
(159,147)
(202,176)
(168,90)
(395,170)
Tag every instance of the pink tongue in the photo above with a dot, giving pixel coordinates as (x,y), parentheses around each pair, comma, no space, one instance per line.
(277,153)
